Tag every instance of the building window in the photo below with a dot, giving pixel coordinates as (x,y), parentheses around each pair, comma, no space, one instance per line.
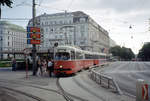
(55,37)
(82,27)
(54,22)
(82,34)
(60,22)
(46,29)
(8,43)
(82,19)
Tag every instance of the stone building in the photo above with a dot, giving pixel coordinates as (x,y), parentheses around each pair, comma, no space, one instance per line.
(74,28)
(12,38)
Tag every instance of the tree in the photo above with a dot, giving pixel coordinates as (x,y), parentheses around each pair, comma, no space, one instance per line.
(144,52)
(5,2)
(122,53)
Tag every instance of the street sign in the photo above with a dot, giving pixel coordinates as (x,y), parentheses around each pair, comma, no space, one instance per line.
(33,29)
(33,36)
(31,41)
(145,92)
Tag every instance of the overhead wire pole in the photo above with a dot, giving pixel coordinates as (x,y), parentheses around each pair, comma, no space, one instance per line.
(34,67)
(0,11)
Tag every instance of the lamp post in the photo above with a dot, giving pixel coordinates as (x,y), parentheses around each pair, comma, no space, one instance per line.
(1,48)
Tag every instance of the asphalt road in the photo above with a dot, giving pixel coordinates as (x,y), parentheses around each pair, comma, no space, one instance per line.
(127,73)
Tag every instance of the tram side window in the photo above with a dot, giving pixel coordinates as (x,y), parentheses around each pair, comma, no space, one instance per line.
(62,56)
(72,55)
(95,57)
(102,56)
(88,56)
(79,55)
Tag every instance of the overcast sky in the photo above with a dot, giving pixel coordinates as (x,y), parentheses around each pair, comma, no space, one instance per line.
(116,16)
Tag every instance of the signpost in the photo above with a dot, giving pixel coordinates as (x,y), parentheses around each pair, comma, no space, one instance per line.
(26,52)
(33,37)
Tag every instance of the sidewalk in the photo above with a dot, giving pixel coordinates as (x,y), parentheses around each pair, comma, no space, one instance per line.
(82,86)
(43,82)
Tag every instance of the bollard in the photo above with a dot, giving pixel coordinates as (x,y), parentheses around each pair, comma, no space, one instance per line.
(141,90)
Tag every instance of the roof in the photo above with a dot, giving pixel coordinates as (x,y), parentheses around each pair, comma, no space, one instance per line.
(79,13)
(12,26)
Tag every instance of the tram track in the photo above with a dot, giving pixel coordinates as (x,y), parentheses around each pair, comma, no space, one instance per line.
(23,93)
(67,95)
(60,91)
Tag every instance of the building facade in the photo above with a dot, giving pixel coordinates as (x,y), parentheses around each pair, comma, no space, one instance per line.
(12,38)
(74,28)
(112,43)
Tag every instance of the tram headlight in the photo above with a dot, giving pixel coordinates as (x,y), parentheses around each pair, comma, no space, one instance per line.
(60,66)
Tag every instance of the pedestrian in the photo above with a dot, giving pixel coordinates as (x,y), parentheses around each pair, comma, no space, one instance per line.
(13,64)
(30,61)
(44,65)
(50,67)
(39,66)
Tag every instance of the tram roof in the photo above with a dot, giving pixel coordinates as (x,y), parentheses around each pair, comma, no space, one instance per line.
(76,48)
(70,47)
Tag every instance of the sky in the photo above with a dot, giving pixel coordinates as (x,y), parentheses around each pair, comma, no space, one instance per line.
(127,21)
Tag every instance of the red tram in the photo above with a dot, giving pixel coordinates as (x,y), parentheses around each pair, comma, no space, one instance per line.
(69,59)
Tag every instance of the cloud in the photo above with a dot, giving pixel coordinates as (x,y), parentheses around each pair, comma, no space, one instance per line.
(113,15)
(116,5)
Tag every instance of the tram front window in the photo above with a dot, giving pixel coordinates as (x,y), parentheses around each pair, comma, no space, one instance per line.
(62,56)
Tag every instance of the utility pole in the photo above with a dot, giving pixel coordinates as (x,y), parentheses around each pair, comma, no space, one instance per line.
(0,11)
(34,67)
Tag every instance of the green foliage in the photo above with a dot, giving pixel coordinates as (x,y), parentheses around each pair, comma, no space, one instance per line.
(144,52)
(122,53)
(3,3)
(5,64)
(6,2)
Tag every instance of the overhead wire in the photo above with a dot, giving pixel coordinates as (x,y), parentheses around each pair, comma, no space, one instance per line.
(69,5)
(15,18)
(40,2)
(49,7)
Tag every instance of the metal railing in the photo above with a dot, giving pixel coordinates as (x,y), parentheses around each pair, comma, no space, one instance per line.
(105,81)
